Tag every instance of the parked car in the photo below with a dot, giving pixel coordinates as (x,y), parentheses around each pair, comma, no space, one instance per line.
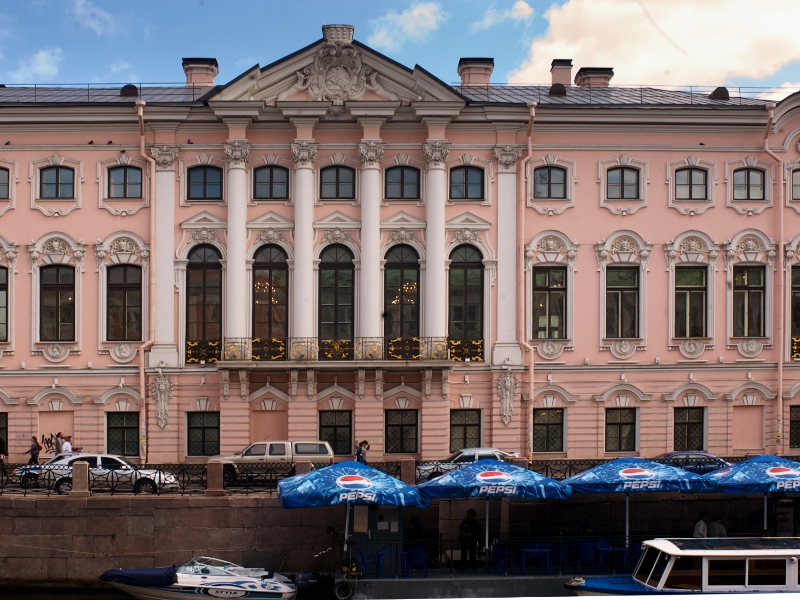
(692,460)
(105,471)
(430,470)
(272,453)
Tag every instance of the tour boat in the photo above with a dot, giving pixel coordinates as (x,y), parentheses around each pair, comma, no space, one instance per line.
(704,566)
(201,576)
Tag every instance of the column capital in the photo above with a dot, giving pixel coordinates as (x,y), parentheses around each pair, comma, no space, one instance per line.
(370,152)
(304,152)
(237,152)
(435,152)
(507,157)
(164,156)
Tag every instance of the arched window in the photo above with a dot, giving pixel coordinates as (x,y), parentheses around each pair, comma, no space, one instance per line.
(748,184)
(125,182)
(270,182)
(124,303)
(336,294)
(402,182)
(57,304)
(466,182)
(337,182)
(622,183)
(401,294)
(466,304)
(690,184)
(4,189)
(203,305)
(57,182)
(550,182)
(205,183)
(270,303)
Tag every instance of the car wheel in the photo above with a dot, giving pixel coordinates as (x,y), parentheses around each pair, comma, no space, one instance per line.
(30,480)
(63,486)
(228,477)
(145,486)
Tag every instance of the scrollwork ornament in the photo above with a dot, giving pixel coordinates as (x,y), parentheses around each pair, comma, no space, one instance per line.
(56,246)
(162,391)
(551,243)
(507,156)
(237,152)
(371,153)
(270,236)
(337,235)
(507,388)
(435,153)
(204,235)
(402,236)
(123,245)
(466,236)
(164,156)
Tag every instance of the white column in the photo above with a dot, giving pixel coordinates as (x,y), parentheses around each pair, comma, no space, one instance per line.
(164,351)
(236,292)
(303,153)
(370,310)
(506,348)
(435,289)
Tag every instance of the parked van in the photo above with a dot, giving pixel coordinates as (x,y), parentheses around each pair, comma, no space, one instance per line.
(266,453)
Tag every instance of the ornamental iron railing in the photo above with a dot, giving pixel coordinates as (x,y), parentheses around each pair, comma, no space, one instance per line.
(269,349)
(200,351)
(461,350)
(238,348)
(333,349)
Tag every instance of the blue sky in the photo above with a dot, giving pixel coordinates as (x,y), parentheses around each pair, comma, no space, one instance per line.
(701,42)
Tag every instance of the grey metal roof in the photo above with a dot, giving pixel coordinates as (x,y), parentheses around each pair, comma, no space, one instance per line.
(90,94)
(610,96)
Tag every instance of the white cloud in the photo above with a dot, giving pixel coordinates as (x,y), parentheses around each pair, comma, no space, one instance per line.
(392,30)
(680,42)
(521,11)
(120,66)
(40,67)
(779,93)
(93,17)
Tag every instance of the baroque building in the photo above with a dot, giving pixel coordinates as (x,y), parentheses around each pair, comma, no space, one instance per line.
(336,246)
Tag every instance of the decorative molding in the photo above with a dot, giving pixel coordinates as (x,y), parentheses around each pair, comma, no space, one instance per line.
(552,206)
(507,388)
(237,153)
(692,207)
(337,235)
(204,235)
(164,156)
(623,390)
(13,178)
(623,206)
(43,204)
(162,391)
(270,236)
(466,236)
(435,153)
(507,157)
(371,153)
(304,153)
(123,352)
(402,236)
(551,389)
(750,207)
(55,352)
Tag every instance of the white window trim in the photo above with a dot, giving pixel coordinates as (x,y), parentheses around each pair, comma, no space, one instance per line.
(404,160)
(13,178)
(270,159)
(751,247)
(693,248)
(551,249)
(468,160)
(338,235)
(623,206)
(334,160)
(273,237)
(56,160)
(792,256)
(789,168)
(110,253)
(185,164)
(692,207)
(632,250)
(9,254)
(750,207)
(40,255)
(113,205)
(554,206)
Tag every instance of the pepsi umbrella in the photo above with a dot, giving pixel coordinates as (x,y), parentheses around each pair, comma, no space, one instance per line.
(492,479)
(635,475)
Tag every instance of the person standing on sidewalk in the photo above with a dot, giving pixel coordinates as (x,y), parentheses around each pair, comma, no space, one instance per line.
(361,452)
(67,444)
(34,451)
(59,443)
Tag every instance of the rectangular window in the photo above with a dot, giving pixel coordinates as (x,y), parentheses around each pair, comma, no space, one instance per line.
(688,429)
(122,433)
(124,298)
(622,302)
(620,430)
(4,431)
(401,431)
(748,301)
(794,427)
(549,303)
(57,304)
(727,572)
(336,429)
(548,430)
(796,185)
(4,184)
(3,305)
(465,429)
(690,302)
(202,433)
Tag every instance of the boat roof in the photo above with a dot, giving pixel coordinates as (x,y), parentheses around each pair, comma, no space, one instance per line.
(727,546)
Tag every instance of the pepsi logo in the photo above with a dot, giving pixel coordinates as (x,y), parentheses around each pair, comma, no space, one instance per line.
(783,473)
(721,472)
(353,482)
(636,473)
(493,477)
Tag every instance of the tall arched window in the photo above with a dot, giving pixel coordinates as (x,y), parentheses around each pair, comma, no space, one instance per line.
(401,303)
(3,305)
(336,274)
(270,304)
(124,298)
(466,304)
(203,305)
(57,297)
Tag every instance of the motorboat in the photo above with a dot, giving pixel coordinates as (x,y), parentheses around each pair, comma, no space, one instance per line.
(704,566)
(201,576)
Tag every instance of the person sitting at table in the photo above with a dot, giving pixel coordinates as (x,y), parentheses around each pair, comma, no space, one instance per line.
(716,528)
(468,534)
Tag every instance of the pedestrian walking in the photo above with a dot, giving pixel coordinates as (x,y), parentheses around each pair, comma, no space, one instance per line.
(468,533)
(34,451)
(701,527)
(361,452)
(716,528)
(59,443)
(67,444)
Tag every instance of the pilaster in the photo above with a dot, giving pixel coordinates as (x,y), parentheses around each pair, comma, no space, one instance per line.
(435,291)
(371,153)
(304,153)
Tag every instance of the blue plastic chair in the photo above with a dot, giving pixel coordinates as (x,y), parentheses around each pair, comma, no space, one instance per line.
(604,551)
(417,557)
(586,553)
(501,557)
(369,561)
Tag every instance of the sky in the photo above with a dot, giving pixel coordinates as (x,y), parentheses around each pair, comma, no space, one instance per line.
(646,42)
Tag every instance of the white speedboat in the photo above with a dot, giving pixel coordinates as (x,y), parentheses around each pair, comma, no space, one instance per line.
(704,566)
(201,576)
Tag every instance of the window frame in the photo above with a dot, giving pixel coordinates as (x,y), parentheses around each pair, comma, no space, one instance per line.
(561,427)
(748,171)
(126,287)
(58,170)
(402,427)
(549,290)
(402,169)
(689,410)
(203,428)
(794,187)
(205,169)
(549,169)
(747,288)
(336,267)
(124,428)
(691,170)
(619,424)
(465,426)
(417,294)
(336,427)
(272,268)
(610,289)
(466,198)
(338,169)
(190,266)
(272,169)
(794,432)
(7,185)
(58,287)
(125,169)
(622,170)
(685,289)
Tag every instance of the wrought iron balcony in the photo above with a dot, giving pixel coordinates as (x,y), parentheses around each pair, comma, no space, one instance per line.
(461,350)
(267,349)
(336,349)
(207,351)
(238,348)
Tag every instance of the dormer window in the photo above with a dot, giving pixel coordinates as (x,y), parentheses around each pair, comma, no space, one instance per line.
(125,182)
(337,182)
(466,183)
(622,184)
(748,184)
(205,183)
(57,182)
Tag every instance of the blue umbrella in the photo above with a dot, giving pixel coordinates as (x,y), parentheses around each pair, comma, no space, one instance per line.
(492,479)
(758,475)
(636,475)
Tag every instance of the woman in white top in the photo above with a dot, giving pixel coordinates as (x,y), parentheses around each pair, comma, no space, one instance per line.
(700,528)
(68,446)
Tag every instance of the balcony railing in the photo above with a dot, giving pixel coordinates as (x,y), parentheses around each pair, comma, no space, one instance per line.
(268,349)
(199,351)
(461,350)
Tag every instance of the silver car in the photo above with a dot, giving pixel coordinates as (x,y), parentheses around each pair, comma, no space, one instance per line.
(430,470)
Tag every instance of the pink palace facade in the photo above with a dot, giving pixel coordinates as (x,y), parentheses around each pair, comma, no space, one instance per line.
(337,246)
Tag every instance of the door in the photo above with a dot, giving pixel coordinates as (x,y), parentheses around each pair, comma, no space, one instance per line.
(278,452)
(254,454)
(376,538)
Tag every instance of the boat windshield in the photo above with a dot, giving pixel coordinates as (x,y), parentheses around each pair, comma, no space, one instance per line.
(206,566)
(646,564)
(686,574)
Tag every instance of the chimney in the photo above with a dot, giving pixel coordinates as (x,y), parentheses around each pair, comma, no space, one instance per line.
(593,76)
(475,71)
(561,71)
(200,71)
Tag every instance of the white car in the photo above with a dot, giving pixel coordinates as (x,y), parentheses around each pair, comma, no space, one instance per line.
(106,472)
(430,470)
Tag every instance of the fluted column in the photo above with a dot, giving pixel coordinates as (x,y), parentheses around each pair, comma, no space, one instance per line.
(237,338)
(435,289)
(303,153)
(164,351)
(370,310)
